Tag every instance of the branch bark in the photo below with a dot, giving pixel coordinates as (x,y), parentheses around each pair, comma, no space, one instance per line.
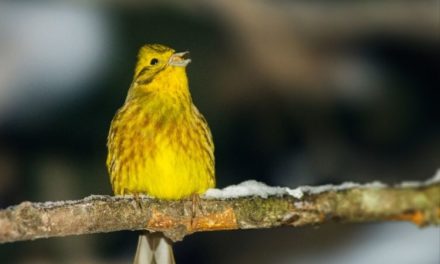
(417,203)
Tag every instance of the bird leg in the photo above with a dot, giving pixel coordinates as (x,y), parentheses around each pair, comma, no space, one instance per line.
(195,204)
(138,200)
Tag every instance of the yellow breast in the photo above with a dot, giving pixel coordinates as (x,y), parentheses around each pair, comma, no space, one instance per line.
(161,146)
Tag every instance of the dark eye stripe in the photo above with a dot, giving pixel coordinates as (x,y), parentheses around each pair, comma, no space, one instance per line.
(144,69)
(150,79)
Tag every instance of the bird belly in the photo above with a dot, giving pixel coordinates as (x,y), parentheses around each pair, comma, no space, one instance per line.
(174,174)
(160,153)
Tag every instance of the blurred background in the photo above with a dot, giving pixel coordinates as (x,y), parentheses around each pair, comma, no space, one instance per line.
(295,92)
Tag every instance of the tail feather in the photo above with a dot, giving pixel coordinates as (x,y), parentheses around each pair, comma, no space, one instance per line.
(154,249)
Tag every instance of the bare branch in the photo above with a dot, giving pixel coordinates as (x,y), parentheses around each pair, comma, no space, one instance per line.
(418,203)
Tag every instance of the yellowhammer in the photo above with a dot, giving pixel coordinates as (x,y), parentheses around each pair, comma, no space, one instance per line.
(159,144)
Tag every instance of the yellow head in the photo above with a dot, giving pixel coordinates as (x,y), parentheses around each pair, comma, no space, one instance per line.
(155,58)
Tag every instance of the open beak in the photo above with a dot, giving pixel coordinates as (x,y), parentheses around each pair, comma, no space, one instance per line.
(179,59)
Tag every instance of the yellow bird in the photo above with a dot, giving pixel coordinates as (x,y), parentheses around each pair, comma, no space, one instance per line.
(159,144)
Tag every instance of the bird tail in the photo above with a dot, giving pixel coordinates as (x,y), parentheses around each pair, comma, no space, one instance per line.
(154,248)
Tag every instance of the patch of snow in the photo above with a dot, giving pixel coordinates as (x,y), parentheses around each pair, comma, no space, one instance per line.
(340,187)
(408,184)
(49,204)
(55,203)
(434,179)
(96,197)
(139,196)
(259,189)
(246,188)
(297,192)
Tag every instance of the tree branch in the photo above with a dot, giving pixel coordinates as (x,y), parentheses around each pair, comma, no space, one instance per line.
(250,205)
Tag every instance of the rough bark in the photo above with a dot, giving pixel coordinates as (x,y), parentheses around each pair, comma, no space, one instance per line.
(419,204)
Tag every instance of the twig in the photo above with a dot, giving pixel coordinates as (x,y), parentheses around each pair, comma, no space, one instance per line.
(416,202)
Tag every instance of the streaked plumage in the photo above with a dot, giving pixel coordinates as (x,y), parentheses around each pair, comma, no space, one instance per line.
(159,144)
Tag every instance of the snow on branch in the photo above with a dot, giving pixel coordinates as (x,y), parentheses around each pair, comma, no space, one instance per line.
(248,205)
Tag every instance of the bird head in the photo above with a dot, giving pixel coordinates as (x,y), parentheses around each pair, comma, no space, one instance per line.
(154,58)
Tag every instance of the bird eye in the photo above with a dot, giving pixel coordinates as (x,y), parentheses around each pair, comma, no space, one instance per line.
(154,61)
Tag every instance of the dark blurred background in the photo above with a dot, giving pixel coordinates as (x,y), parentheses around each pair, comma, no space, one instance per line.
(295,92)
